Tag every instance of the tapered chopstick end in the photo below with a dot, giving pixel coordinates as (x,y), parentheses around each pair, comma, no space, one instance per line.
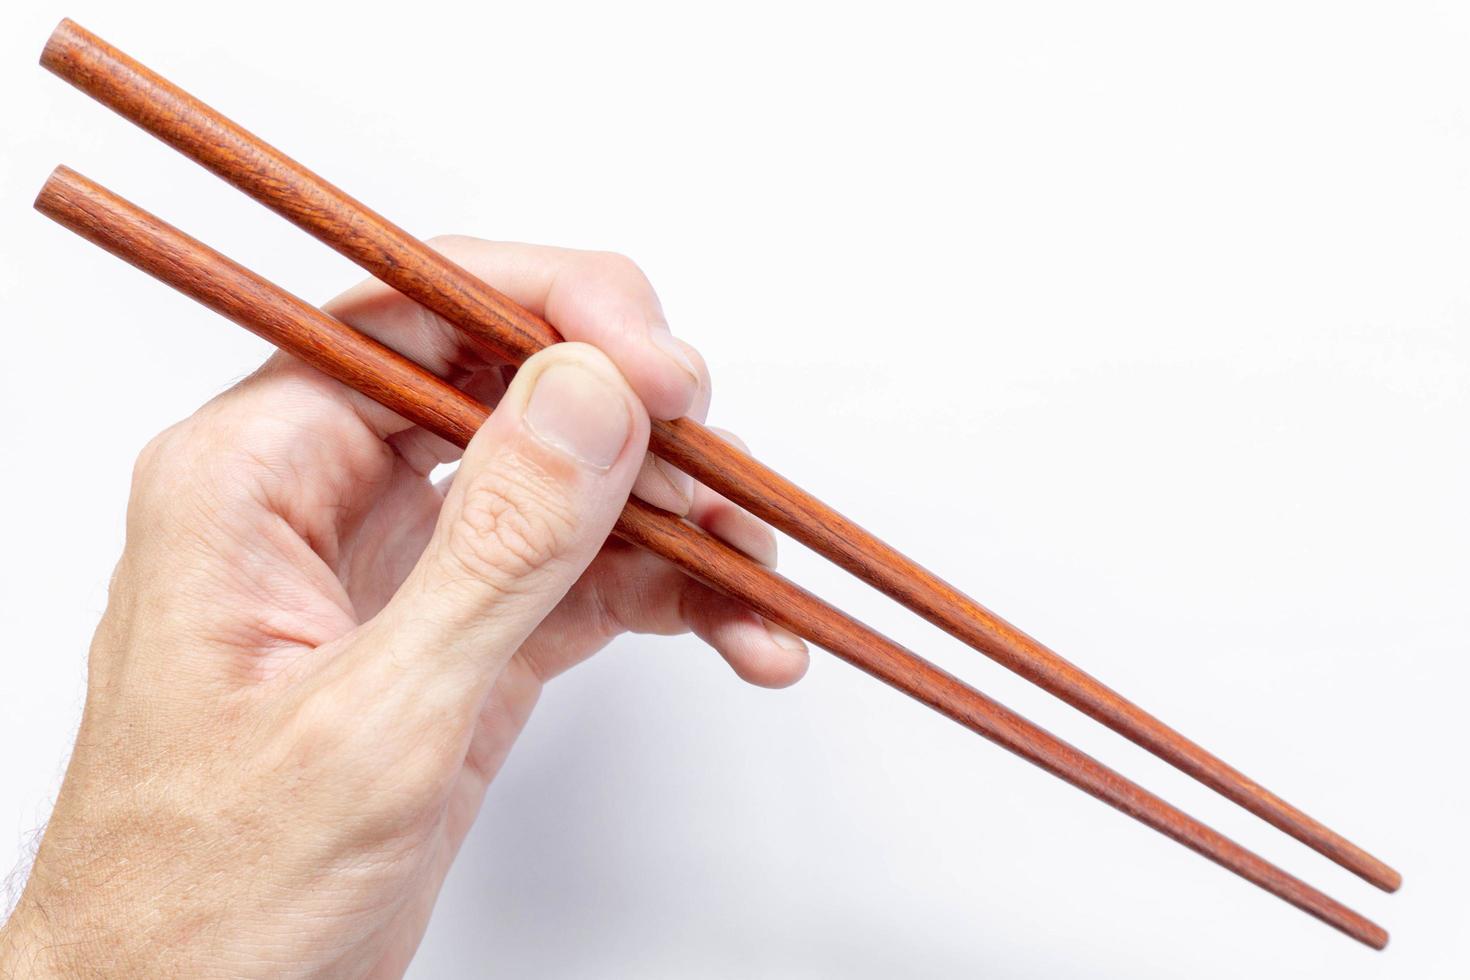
(1392,880)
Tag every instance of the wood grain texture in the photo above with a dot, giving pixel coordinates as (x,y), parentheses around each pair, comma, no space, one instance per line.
(389,378)
(504,330)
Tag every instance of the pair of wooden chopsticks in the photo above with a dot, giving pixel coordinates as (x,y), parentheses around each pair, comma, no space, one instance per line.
(501,329)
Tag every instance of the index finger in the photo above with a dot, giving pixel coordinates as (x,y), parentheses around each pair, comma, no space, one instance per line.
(599,298)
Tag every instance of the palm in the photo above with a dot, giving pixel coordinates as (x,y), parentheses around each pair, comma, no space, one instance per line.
(360,505)
(322,503)
(334,515)
(312,663)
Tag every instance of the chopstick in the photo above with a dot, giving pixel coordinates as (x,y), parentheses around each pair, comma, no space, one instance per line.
(497,326)
(387,377)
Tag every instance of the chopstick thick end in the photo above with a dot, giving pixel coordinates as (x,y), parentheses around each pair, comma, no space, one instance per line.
(61,180)
(48,190)
(63,39)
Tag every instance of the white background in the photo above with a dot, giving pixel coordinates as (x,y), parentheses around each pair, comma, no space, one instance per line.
(1146,324)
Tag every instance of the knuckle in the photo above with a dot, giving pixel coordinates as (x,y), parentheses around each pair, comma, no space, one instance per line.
(153,456)
(165,475)
(731,438)
(451,242)
(701,367)
(616,267)
(512,521)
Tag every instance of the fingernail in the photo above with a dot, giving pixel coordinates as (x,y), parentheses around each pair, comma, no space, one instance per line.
(664,341)
(682,483)
(576,411)
(664,487)
(785,639)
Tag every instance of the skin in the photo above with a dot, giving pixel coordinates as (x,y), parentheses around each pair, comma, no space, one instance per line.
(314,660)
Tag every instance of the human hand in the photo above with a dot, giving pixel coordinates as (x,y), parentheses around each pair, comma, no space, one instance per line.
(313,660)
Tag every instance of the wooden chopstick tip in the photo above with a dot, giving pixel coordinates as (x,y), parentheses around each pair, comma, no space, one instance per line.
(1392,880)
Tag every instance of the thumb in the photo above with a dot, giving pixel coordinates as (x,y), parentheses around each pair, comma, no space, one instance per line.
(535,496)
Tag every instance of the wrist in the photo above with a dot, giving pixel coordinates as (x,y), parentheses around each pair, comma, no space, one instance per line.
(28,949)
(69,924)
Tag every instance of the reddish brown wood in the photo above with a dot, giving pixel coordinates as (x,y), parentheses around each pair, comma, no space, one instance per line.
(505,330)
(354,359)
